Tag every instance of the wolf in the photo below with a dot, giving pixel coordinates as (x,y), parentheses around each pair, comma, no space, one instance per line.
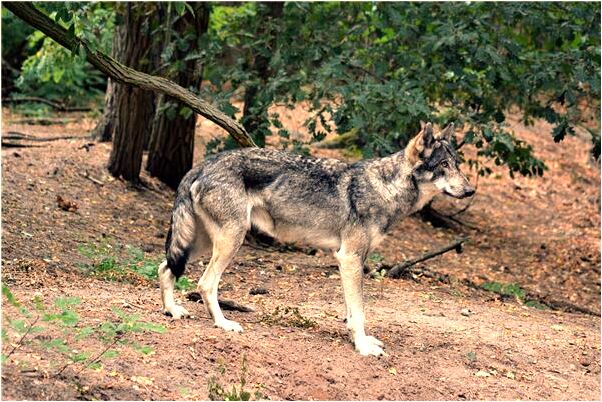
(325,203)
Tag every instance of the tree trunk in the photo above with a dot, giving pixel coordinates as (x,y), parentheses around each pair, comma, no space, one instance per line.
(133,107)
(172,140)
(103,131)
(255,111)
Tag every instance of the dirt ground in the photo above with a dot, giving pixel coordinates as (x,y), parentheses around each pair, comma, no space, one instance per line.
(446,338)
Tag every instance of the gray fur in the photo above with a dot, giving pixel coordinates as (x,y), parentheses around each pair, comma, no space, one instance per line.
(325,203)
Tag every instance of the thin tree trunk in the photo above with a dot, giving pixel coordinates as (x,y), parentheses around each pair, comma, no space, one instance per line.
(133,106)
(172,140)
(103,131)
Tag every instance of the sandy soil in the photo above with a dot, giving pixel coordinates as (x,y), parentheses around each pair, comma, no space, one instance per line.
(445,340)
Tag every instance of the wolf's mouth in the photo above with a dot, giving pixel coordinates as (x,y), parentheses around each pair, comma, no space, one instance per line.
(464,194)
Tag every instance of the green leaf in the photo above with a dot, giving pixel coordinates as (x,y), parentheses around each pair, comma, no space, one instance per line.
(110,354)
(9,296)
(145,349)
(180,7)
(65,302)
(69,318)
(57,344)
(38,303)
(186,112)
(152,327)
(57,74)
(79,357)
(84,332)
(18,325)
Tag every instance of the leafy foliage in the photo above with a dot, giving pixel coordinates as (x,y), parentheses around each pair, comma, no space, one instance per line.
(513,290)
(110,261)
(370,71)
(219,392)
(382,68)
(62,331)
(52,71)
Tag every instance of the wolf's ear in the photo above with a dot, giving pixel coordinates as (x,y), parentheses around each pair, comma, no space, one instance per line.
(446,133)
(418,144)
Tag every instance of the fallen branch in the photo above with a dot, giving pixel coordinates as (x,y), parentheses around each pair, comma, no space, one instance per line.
(15,135)
(16,145)
(561,305)
(126,75)
(397,270)
(43,121)
(225,304)
(55,105)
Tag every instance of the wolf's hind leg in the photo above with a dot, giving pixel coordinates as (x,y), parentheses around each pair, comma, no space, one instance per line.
(225,246)
(167,281)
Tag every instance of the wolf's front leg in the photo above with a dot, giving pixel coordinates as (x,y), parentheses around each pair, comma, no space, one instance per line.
(351,268)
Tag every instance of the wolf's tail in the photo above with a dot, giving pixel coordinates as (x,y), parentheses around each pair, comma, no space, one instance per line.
(181,235)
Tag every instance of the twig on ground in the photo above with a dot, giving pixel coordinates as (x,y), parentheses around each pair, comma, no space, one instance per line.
(92,179)
(90,362)
(225,304)
(20,341)
(398,269)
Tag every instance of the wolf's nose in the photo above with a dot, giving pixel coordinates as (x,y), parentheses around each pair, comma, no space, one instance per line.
(469,192)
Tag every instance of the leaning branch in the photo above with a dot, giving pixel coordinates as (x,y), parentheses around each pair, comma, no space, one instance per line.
(397,270)
(126,75)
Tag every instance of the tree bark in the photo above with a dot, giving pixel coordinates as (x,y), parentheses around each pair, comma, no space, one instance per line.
(105,127)
(255,111)
(172,139)
(133,107)
(103,131)
(123,74)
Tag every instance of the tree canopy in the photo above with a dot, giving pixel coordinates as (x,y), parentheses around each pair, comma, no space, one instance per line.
(375,71)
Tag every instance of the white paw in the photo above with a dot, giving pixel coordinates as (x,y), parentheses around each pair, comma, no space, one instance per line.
(369,346)
(374,341)
(176,311)
(229,325)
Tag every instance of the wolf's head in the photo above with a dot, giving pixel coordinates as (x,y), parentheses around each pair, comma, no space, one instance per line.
(434,163)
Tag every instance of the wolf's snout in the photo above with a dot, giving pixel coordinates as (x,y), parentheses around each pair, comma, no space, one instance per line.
(469,191)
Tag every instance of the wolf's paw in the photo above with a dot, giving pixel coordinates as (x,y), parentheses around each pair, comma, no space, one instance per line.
(374,341)
(369,346)
(176,311)
(229,325)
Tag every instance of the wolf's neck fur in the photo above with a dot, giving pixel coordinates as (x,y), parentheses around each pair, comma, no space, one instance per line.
(391,176)
(396,182)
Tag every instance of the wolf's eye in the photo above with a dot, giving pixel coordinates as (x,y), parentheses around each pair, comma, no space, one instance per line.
(445,164)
